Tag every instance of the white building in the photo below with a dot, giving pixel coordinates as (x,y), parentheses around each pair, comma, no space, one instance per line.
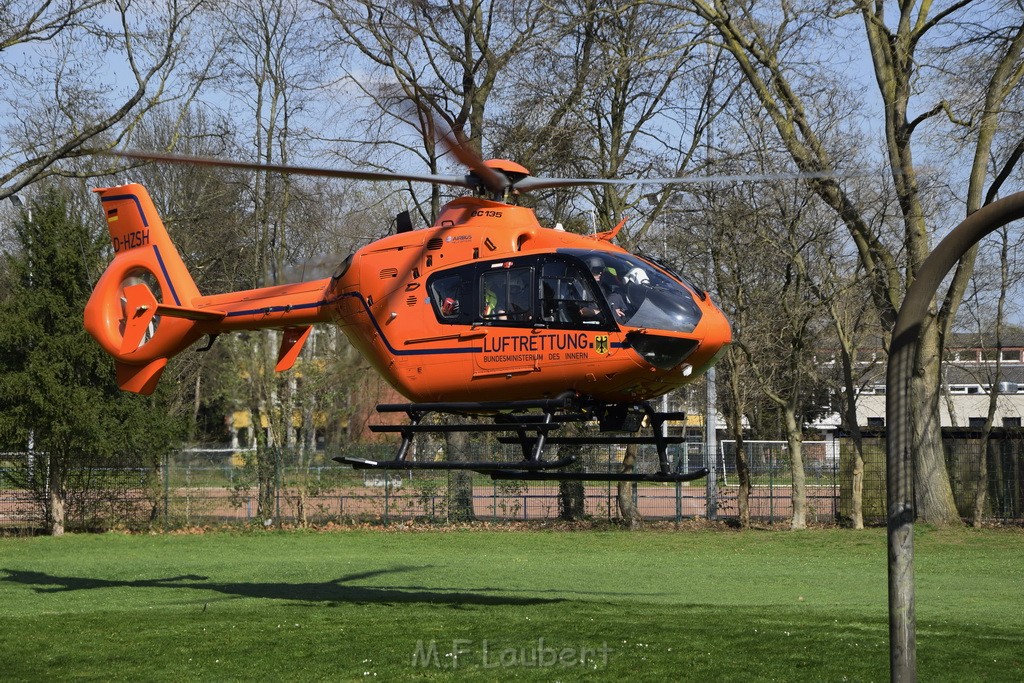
(971,372)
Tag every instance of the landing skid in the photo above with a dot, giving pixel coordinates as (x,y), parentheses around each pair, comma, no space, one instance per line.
(598,476)
(526,466)
(528,424)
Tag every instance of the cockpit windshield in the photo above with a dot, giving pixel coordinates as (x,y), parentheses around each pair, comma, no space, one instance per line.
(638,293)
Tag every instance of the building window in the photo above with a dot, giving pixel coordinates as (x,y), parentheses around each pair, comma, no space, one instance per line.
(976,422)
(1011,356)
(876,422)
(1011,422)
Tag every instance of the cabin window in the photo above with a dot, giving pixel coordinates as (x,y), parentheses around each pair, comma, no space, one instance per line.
(532,291)
(451,296)
(506,295)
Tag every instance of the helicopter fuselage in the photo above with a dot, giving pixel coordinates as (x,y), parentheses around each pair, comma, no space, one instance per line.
(488,305)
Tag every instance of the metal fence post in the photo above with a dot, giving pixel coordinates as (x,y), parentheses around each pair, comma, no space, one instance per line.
(712,483)
(711,442)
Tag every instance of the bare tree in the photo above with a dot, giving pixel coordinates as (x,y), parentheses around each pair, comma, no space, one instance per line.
(434,62)
(769,46)
(268,54)
(988,306)
(781,323)
(60,107)
(849,314)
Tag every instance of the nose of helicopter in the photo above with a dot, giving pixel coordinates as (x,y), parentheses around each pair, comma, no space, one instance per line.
(681,357)
(715,335)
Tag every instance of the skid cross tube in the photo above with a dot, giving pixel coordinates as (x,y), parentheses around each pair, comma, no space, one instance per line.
(530,431)
(899,456)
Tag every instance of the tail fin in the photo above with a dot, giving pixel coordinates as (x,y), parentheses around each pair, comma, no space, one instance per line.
(141,309)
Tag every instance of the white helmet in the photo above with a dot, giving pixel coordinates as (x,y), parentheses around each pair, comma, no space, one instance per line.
(636,276)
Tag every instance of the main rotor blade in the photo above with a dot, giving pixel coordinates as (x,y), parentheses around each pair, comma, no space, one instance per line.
(534,183)
(457,181)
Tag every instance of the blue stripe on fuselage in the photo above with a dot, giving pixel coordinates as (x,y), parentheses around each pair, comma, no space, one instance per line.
(359,296)
(167,277)
(391,349)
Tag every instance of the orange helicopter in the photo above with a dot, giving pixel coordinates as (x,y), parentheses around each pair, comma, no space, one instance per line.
(485,313)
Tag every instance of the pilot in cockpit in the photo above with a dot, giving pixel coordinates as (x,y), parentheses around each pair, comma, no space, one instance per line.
(611,286)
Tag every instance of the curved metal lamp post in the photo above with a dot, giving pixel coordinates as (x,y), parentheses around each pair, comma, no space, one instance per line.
(900,458)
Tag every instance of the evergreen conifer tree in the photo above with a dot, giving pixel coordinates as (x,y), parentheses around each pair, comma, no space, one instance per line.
(58,395)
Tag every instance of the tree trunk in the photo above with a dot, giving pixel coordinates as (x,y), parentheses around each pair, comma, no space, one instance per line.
(849,400)
(571,498)
(857,478)
(981,481)
(743,474)
(572,494)
(794,438)
(307,451)
(627,509)
(857,493)
(460,483)
(981,493)
(266,462)
(933,494)
(56,516)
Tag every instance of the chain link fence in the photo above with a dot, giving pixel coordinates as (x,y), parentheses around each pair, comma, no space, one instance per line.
(975,465)
(198,487)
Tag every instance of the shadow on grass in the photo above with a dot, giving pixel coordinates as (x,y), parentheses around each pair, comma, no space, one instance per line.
(336,591)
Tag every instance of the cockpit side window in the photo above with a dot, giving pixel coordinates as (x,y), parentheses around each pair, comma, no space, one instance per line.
(567,298)
(638,293)
(532,291)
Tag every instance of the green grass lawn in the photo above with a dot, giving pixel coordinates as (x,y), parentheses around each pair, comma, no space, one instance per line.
(551,605)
